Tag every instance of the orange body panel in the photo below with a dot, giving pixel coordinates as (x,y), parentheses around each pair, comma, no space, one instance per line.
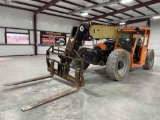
(102,46)
(144,48)
(143,56)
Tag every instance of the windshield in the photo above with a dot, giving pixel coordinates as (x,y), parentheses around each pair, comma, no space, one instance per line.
(124,41)
(124,36)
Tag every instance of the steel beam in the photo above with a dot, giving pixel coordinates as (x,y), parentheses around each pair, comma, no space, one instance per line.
(134,21)
(95,3)
(70,9)
(46,6)
(35,33)
(124,10)
(148,7)
(95,6)
(137,20)
(133,10)
(77,19)
(75,4)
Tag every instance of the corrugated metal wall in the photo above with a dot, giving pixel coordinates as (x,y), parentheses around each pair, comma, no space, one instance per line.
(22,19)
(16,18)
(155,36)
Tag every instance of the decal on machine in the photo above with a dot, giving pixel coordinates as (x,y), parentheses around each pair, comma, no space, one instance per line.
(81,28)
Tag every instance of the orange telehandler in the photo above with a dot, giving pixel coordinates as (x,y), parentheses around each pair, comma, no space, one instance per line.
(128,50)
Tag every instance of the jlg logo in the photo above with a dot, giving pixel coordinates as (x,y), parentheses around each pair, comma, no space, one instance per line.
(81,28)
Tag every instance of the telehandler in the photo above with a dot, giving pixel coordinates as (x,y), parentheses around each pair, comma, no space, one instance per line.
(124,48)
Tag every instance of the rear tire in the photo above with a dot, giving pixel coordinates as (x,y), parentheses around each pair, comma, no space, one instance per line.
(118,64)
(149,60)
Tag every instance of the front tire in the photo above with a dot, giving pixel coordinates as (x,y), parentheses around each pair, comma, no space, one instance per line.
(149,60)
(118,64)
(77,63)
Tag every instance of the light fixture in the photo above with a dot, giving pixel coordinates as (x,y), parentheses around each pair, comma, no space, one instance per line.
(84,14)
(156,17)
(122,23)
(125,1)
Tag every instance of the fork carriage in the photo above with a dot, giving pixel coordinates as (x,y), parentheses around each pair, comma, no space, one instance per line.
(62,70)
(63,67)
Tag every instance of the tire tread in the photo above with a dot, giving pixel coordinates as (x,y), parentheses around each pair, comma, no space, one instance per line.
(111,61)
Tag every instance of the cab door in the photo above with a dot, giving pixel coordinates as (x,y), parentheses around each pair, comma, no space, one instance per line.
(143,51)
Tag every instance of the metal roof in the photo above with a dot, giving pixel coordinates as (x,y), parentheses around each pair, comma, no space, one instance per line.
(103,14)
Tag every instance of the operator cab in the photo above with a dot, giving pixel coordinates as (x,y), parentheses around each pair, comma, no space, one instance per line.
(127,41)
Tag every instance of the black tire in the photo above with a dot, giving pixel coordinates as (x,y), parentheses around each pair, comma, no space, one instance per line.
(149,60)
(118,64)
(77,64)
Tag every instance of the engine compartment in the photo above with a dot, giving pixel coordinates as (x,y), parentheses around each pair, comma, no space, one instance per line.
(97,55)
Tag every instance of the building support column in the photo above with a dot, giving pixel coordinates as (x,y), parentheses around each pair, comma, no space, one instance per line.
(35,34)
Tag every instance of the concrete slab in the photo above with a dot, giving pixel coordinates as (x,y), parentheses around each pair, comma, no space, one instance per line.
(136,98)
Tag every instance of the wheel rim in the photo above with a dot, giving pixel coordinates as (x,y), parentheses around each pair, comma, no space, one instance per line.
(122,65)
(151,61)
